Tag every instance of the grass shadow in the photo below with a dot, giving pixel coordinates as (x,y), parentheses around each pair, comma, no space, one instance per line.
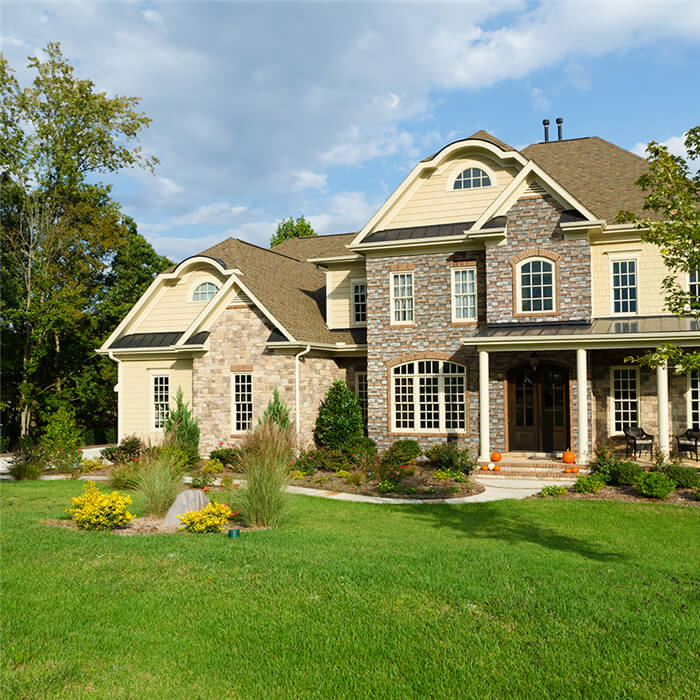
(506,522)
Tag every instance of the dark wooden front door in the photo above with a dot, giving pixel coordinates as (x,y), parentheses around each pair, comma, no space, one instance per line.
(538,409)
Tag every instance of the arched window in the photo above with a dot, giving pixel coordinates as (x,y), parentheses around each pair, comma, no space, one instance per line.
(536,285)
(429,396)
(471,178)
(205,291)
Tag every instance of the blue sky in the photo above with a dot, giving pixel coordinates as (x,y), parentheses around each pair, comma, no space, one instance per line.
(267,110)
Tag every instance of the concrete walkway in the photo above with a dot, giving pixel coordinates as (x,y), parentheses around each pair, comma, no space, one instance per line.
(505,488)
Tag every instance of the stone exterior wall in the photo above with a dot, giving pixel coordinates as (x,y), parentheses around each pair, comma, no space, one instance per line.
(533,230)
(432,335)
(237,343)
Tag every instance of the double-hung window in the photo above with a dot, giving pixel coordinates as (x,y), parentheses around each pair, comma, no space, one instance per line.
(161,400)
(463,294)
(625,398)
(401,297)
(361,391)
(624,286)
(694,401)
(428,396)
(359,302)
(694,286)
(241,401)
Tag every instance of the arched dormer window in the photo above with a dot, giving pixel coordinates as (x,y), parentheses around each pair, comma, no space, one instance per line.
(205,291)
(536,284)
(471,178)
(428,396)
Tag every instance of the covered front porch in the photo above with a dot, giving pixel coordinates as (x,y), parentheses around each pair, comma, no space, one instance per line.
(548,387)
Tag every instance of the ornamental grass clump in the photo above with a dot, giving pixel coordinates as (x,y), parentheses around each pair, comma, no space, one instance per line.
(95,510)
(158,480)
(265,458)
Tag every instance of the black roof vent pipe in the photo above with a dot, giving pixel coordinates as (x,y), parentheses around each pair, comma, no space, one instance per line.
(545,124)
(560,121)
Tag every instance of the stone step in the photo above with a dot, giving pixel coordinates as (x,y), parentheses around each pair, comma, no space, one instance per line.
(534,471)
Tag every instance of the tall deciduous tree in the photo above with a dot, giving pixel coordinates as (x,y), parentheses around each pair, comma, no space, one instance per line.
(291,228)
(673,193)
(60,227)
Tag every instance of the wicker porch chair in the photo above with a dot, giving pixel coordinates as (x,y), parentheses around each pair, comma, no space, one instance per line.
(638,440)
(688,442)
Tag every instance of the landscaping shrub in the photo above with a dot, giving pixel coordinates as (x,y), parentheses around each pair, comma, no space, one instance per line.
(391,478)
(340,420)
(91,465)
(446,474)
(449,457)
(553,491)
(95,510)
(591,483)
(404,451)
(158,480)
(124,475)
(326,460)
(212,518)
(182,429)
(626,473)
(265,458)
(361,451)
(226,455)
(655,485)
(683,477)
(60,443)
(27,461)
(276,411)
(130,448)
(605,462)
(356,476)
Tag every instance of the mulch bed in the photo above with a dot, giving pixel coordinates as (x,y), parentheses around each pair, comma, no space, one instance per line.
(142,526)
(421,486)
(680,497)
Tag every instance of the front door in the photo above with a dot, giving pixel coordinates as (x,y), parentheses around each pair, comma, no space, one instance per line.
(538,409)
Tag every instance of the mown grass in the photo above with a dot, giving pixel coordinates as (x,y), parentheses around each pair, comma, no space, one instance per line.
(508,599)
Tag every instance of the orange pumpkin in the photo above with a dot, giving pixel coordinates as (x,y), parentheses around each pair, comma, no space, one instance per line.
(485,468)
(568,457)
(497,468)
(567,470)
(574,470)
(496,456)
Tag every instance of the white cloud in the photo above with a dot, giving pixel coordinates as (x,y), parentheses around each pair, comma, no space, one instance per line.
(539,100)
(152,16)
(307,179)
(347,211)
(675,145)
(208,214)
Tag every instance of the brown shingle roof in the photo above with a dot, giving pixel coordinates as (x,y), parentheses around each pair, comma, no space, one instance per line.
(316,246)
(597,172)
(293,291)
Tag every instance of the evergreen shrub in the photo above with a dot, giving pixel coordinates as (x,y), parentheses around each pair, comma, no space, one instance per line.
(339,419)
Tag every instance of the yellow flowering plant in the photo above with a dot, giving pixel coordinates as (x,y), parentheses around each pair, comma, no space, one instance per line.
(209,519)
(95,510)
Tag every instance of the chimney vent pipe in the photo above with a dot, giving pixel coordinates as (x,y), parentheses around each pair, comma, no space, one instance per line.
(545,123)
(560,121)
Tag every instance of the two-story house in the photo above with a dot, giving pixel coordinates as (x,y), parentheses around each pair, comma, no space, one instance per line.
(491,300)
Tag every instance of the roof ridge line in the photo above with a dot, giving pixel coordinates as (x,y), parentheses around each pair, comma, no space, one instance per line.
(267,250)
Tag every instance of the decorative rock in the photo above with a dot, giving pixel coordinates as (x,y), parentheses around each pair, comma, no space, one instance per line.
(192,499)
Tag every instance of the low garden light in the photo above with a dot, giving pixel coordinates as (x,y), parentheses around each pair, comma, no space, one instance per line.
(233,533)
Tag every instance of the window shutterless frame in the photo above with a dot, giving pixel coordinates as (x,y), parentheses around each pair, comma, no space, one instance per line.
(358,302)
(401,292)
(536,286)
(160,399)
(624,285)
(205,291)
(693,400)
(361,391)
(241,401)
(464,307)
(624,407)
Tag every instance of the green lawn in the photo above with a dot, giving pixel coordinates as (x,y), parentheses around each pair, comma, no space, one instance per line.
(509,599)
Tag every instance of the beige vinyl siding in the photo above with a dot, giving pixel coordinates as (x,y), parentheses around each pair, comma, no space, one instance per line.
(650,274)
(136,390)
(339,294)
(429,201)
(172,308)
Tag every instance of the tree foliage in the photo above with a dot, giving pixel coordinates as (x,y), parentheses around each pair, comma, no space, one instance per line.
(62,235)
(182,429)
(672,190)
(291,228)
(277,411)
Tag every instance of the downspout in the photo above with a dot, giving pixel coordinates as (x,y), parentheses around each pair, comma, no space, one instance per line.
(118,389)
(296,390)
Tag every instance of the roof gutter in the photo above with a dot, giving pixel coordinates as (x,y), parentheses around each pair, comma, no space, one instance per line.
(326,347)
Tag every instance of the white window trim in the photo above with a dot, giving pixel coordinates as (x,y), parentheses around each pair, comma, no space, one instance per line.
(689,400)
(199,283)
(453,276)
(687,282)
(519,286)
(234,431)
(393,322)
(621,257)
(353,322)
(611,398)
(357,387)
(464,165)
(153,374)
(417,430)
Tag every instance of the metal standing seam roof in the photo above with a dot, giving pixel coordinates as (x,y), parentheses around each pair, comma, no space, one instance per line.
(156,340)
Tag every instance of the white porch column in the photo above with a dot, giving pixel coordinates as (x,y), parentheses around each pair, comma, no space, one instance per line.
(582,405)
(662,406)
(484,441)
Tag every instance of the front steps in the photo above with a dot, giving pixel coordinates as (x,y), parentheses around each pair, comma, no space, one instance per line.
(531,467)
